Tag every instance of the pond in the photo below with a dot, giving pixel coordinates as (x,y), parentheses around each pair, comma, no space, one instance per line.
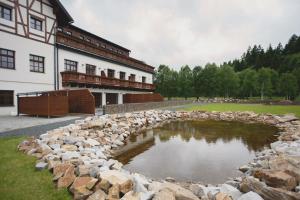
(205,151)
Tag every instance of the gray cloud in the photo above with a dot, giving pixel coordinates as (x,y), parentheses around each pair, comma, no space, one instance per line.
(193,32)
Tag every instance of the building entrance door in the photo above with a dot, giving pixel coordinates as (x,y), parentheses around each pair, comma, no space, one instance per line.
(111,98)
(98,99)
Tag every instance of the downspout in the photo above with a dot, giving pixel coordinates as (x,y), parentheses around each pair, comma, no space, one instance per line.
(55,67)
(57,74)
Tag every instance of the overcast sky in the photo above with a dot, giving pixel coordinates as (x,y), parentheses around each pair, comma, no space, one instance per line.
(193,32)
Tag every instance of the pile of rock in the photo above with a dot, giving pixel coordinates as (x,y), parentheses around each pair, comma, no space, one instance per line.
(80,157)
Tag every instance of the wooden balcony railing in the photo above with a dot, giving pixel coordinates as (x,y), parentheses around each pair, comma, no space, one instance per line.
(77,43)
(100,81)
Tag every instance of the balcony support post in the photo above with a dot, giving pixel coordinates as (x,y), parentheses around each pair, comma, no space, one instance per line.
(120,98)
(103,98)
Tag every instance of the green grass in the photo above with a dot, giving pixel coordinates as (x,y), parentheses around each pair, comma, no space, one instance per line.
(20,180)
(257,108)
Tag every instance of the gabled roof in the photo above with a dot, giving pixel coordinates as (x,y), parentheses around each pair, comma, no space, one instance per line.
(62,15)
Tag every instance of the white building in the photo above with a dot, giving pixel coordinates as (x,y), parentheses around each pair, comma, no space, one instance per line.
(41,50)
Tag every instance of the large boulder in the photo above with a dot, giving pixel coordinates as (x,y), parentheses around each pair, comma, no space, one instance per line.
(179,192)
(222,196)
(114,192)
(290,164)
(82,170)
(115,177)
(67,178)
(287,118)
(231,191)
(277,179)
(69,147)
(98,195)
(164,194)
(81,187)
(267,193)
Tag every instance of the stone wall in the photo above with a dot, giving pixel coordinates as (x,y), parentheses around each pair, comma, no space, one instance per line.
(130,107)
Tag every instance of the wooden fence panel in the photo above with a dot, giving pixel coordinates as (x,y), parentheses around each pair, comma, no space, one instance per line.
(142,98)
(44,105)
(81,101)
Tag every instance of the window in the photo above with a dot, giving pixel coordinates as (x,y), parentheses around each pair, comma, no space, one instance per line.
(6,98)
(68,32)
(5,12)
(36,23)
(122,75)
(143,79)
(87,39)
(110,73)
(59,29)
(81,37)
(7,59)
(70,65)
(90,69)
(37,64)
(132,77)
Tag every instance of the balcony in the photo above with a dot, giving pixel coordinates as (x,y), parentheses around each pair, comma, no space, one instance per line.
(76,43)
(85,80)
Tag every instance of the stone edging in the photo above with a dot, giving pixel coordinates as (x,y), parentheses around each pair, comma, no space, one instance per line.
(79,155)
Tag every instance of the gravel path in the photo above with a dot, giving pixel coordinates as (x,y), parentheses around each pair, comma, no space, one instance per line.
(37,130)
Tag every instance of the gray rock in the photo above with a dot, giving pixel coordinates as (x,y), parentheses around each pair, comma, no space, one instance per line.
(41,165)
(250,196)
(197,190)
(231,191)
(70,155)
(244,168)
(233,183)
(170,179)
(92,142)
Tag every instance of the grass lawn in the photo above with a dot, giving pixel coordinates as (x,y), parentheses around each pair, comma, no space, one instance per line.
(20,180)
(257,108)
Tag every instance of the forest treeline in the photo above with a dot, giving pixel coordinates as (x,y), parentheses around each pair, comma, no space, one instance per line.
(274,71)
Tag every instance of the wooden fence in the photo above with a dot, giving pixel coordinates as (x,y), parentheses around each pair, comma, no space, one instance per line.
(56,103)
(142,98)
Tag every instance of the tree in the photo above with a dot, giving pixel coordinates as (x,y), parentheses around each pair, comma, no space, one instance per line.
(248,82)
(163,80)
(288,86)
(209,80)
(291,46)
(228,81)
(265,82)
(185,82)
(197,72)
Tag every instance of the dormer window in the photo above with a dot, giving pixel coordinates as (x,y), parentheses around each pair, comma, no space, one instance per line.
(36,24)
(5,12)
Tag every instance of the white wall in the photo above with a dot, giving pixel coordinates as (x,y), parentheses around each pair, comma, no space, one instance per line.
(100,65)
(21,79)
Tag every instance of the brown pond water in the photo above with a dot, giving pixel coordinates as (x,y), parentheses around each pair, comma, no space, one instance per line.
(205,151)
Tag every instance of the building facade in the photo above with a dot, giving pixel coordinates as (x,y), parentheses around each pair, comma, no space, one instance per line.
(40,50)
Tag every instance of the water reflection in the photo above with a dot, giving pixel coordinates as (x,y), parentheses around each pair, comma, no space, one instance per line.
(207,151)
